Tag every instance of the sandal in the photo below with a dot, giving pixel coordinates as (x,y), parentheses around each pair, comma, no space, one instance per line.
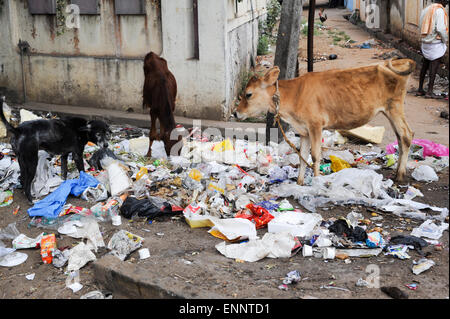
(433,96)
(420,93)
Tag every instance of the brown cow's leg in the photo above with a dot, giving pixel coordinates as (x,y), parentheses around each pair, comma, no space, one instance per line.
(315,135)
(305,146)
(404,137)
(152,136)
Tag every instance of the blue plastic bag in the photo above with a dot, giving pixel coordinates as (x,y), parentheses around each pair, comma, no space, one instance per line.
(51,205)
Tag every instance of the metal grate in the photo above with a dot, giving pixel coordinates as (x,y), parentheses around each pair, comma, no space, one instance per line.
(87,6)
(42,6)
(129,6)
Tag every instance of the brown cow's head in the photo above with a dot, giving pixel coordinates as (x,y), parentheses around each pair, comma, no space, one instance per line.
(257,96)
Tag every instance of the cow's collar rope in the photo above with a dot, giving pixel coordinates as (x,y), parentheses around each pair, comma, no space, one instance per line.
(276,101)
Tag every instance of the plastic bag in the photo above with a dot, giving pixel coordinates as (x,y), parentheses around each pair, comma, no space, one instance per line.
(123,243)
(52,205)
(422,265)
(6,198)
(95,194)
(79,256)
(374,240)
(118,178)
(158,150)
(24,242)
(430,230)
(338,164)
(46,179)
(429,148)
(132,207)
(256,214)
(9,232)
(425,173)
(278,245)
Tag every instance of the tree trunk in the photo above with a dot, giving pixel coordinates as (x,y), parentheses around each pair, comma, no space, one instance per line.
(286,56)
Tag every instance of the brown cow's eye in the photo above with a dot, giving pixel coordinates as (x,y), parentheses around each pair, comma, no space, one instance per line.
(248,95)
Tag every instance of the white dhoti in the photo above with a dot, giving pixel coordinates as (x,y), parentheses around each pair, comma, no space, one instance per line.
(433,51)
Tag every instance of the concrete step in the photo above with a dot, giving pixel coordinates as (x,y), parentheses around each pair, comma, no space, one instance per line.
(128,280)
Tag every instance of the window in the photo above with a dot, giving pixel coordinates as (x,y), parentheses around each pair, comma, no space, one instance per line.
(87,6)
(129,6)
(42,6)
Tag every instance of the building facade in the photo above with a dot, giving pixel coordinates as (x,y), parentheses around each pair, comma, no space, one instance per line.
(50,54)
(397,17)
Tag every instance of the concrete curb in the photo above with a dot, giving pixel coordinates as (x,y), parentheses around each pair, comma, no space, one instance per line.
(141,120)
(126,280)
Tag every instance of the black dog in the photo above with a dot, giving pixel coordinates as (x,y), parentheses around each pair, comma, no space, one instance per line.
(57,137)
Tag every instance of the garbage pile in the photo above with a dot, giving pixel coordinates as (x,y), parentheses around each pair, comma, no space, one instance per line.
(236,188)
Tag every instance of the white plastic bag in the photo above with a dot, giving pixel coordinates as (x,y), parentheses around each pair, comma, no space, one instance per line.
(118,178)
(430,230)
(425,173)
(79,256)
(278,245)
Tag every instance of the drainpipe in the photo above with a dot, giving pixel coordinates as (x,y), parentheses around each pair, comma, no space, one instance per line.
(311,13)
(24,48)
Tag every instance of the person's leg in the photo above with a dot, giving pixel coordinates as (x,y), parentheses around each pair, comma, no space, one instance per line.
(423,73)
(434,66)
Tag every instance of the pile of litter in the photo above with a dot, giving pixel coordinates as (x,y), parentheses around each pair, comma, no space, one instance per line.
(234,188)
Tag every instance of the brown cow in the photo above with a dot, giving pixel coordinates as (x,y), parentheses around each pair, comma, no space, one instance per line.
(335,99)
(159,93)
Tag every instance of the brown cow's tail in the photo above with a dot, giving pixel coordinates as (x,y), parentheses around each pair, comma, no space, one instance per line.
(412,67)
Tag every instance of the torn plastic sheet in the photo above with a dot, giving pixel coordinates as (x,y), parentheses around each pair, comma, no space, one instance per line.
(86,227)
(79,256)
(354,186)
(411,209)
(123,243)
(430,230)
(9,232)
(9,173)
(46,179)
(272,245)
(348,186)
(296,223)
(95,194)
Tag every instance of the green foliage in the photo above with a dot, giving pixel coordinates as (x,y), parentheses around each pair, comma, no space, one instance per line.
(60,16)
(263,45)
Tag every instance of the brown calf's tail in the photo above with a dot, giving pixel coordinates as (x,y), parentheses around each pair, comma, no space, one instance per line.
(412,67)
(8,126)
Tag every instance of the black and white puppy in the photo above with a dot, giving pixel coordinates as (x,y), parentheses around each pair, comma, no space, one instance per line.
(57,137)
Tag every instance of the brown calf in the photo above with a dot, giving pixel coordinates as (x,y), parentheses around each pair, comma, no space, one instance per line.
(159,93)
(336,99)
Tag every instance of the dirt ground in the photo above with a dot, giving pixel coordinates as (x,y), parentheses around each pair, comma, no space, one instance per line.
(185,256)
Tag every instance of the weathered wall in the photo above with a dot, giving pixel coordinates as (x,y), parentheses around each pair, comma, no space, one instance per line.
(100,64)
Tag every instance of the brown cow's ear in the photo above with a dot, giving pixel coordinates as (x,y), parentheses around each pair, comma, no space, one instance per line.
(271,76)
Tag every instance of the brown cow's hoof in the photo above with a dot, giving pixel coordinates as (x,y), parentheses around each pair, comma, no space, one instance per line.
(400,178)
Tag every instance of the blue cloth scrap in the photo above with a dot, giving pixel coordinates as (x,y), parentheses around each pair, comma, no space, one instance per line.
(269,205)
(51,205)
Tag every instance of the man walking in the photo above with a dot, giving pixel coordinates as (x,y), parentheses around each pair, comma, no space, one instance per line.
(434,36)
